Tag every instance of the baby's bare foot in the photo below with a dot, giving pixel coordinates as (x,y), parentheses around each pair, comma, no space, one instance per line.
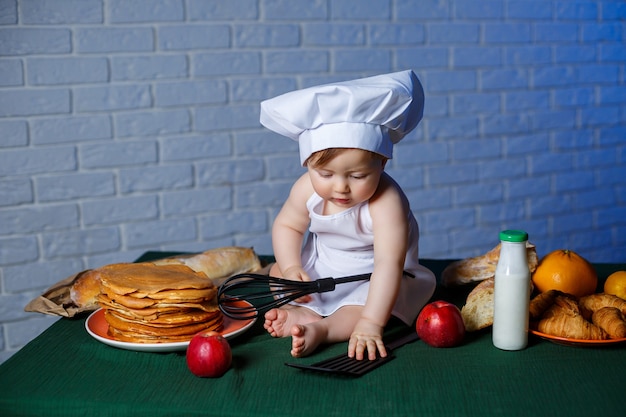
(305,339)
(279,321)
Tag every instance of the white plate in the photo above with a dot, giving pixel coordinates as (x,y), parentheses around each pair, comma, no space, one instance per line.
(98,328)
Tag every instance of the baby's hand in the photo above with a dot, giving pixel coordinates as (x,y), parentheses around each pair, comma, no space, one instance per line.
(296,273)
(366,336)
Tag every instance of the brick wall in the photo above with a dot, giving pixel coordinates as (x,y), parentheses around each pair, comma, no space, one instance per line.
(128,126)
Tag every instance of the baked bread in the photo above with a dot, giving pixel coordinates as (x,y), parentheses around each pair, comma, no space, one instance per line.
(563,319)
(477,312)
(591,303)
(481,267)
(85,289)
(611,320)
(218,264)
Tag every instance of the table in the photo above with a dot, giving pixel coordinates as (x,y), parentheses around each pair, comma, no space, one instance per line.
(64,371)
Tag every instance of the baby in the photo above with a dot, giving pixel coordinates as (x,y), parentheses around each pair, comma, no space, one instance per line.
(355,217)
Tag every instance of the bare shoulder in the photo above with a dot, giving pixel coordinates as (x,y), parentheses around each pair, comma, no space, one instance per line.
(389,197)
(302,188)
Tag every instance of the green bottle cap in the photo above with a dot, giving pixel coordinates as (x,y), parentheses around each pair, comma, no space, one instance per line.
(513,236)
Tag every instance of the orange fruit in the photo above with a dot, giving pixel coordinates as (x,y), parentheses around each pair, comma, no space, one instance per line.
(615,284)
(566,271)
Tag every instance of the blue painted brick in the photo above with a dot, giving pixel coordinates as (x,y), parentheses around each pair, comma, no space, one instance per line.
(592,158)
(612,135)
(461,174)
(295,9)
(549,205)
(613,10)
(447,81)
(225,118)
(507,33)
(264,143)
(576,10)
(575,53)
(476,149)
(222,10)
(233,222)
(151,233)
(151,178)
(556,32)
(70,129)
(588,199)
(462,33)
(499,124)
(188,148)
(114,154)
(611,175)
(23,41)
(152,123)
(466,9)
(529,187)
(14,133)
(554,76)
(112,97)
(296,61)
(52,12)
(406,155)
(598,116)
(573,97)
(609,217)
(565,182)
(409,178)
(423,9)
(422,57)
(27,220)
(149,67)
(437,222)
(333,34)
(278,35)
(500,212)
(256,90)
(40,275)
(38,160)
(14,192)
(226,63)
(356,9)
(184,93)
(476,103)
(28,102)
(429,199)
(113,39)
(119,210)
(527,10)
(499,79)
(528,55)
(362,59)
(602,32)
(12,72)
(612,52)
(201,201)
(598,74)
(63,187)
(20,249)
(230,172)
(551,163)
(395,34)
(128,11)
(477,57)
(193,37)
(526,100)
(581,140)
(436,106)
(471,194)
(262,195)
(527,144)
(8,12)
(611,95)
(501,169)
(49,71)
(283,167)
(453,127)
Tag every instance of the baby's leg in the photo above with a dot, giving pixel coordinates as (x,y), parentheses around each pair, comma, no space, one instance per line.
(337,327)
(279,321)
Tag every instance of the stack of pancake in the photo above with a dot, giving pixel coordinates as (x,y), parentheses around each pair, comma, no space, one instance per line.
(147,303)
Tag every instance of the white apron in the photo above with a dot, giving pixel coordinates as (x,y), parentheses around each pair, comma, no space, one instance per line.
(343,244)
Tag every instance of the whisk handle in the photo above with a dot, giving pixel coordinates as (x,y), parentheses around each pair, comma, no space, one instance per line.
(324,285)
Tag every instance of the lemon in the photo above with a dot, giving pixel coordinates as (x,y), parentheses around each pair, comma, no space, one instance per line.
(616,284)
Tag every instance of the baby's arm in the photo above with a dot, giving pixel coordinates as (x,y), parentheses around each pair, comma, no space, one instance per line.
(389,210)
(289,228)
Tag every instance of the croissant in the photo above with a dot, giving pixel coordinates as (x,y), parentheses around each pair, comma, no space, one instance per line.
(611,320)
(542,302)
(563,319)
(593,302)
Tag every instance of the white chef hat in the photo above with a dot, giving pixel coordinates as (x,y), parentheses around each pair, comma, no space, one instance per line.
(369,113)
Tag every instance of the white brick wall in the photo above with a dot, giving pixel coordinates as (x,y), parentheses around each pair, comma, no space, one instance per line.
(128,126)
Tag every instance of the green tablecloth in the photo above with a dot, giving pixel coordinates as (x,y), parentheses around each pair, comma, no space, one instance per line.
(66,372)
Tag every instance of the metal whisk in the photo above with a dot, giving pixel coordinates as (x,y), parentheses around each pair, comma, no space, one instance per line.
(264,292)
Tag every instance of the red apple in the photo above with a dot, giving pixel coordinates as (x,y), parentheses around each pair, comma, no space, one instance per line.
(440,324)
(209,355)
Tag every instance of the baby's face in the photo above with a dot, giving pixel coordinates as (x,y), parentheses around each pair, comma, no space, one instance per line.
(348,179)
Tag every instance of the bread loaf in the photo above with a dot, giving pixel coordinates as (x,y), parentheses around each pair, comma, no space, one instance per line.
(481,267)
(478,309)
